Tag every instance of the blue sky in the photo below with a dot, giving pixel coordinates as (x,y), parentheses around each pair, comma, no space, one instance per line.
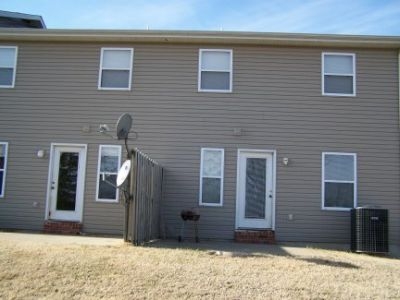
(381,17)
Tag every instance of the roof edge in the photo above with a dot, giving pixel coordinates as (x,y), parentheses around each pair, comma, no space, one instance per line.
(212,37)
(23,16)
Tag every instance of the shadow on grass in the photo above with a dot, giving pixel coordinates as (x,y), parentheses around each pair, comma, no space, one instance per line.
(232,249)
(328,262)
(212,247)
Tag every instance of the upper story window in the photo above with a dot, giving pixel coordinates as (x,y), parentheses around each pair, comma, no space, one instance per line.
(115,68)
(339,74)
(211,176)
(109,163)
(3,166)
(339,181)
(8,66)
(215,70)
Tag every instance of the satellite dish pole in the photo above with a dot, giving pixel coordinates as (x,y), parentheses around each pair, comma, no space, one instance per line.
(123,127)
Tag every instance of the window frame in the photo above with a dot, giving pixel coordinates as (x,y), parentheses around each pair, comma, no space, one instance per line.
(323,181)
(200,70)
(14,67)
(353,55)
(116,200)
(2,191)
(221,177)
(131,50)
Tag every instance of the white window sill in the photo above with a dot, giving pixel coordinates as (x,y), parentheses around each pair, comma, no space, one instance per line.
(106,201)
(336,208)
(214,91)
(339,95)
(113,89)
(211,204)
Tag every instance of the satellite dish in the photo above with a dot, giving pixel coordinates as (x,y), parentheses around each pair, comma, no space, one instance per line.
(124,125)
(123,172)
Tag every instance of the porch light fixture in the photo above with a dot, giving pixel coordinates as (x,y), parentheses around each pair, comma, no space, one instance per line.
(41,153)
(285,161)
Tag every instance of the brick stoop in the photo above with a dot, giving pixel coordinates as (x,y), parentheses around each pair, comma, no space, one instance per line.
(62,227)
(255,236)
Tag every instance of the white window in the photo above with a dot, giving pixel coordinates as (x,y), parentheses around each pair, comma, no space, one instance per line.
(211,176)
(339,74)
(3,166)
(8,66)
(339,180)
(215,70)
(108,166)
(115,68)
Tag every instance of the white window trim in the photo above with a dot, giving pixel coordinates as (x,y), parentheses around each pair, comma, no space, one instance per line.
(339,181)
(336,74)
(199,89)
(221,200)
(120,69)
(14,67)
(98,174)
(2,192)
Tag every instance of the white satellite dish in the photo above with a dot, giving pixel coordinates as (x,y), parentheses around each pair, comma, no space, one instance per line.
(124,125)
(123,172)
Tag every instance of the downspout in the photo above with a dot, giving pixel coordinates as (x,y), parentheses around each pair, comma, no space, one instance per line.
(398,82)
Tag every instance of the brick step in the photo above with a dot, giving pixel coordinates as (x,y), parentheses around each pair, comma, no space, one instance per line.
(62,227)
(255,236)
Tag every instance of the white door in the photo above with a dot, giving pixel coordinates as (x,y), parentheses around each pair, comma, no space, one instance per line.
(66,182)
(255,189)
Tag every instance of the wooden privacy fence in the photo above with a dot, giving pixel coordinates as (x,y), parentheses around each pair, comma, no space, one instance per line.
(142,207)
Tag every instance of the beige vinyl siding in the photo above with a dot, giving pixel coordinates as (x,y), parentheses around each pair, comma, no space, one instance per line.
(276,100)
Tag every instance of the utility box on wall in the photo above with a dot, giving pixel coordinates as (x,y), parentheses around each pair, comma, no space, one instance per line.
(369,230)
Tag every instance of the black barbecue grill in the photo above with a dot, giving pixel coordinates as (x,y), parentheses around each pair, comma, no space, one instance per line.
(189,215)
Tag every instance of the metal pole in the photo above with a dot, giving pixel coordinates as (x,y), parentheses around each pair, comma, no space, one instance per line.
(127,207)
(131,196)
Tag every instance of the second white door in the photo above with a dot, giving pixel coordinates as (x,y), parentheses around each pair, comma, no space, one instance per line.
(255,189)
(67,182)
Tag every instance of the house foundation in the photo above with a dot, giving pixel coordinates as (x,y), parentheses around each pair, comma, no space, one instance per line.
(255,236)
(62,227)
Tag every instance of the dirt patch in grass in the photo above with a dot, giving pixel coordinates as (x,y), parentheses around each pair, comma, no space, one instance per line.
(50,271)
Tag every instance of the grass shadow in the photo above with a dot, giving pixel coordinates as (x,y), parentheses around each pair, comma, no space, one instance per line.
(328,262)
(232,249)
(223,248)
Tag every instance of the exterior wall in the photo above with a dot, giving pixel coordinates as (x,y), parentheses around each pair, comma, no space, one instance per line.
(276,101)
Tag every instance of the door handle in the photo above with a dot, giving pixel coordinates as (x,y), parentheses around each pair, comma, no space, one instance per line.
(52,185)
